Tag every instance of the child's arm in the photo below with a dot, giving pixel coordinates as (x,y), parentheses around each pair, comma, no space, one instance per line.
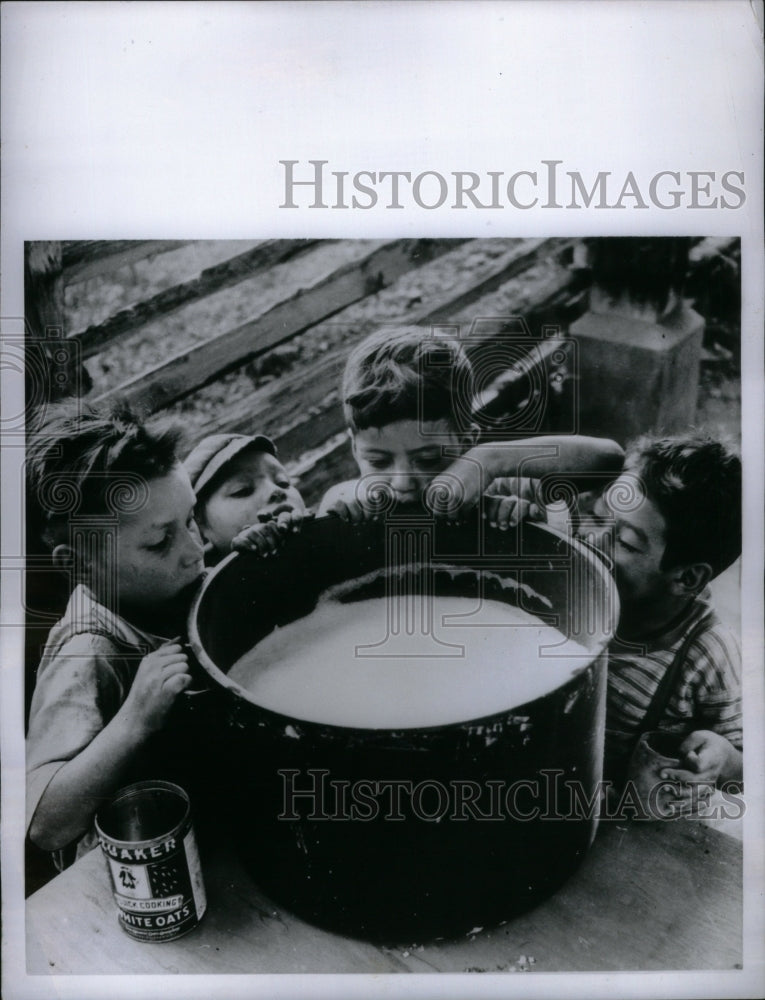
(463,483)
(510,500)
(344,501)
(710,755)
(76,790)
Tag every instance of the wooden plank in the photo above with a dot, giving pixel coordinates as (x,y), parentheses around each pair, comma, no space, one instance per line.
(501,394)
(83,259)
(326,466)
(288,402)
(648,896)
(53,366)
(181,375)
(626,909)
(508,266)
(302,410)
(44,312)
(561,298)
(211,280)
(324,421)
(242,931)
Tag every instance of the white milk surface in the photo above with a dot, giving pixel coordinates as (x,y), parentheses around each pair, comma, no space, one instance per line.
(408,662)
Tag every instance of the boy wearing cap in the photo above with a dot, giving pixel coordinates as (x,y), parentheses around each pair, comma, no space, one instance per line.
(245,498)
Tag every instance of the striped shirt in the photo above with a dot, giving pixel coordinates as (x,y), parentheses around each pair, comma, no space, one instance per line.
(707,694)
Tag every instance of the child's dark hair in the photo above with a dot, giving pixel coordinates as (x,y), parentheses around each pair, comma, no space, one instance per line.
(85,461)
(406,373)
(696,484)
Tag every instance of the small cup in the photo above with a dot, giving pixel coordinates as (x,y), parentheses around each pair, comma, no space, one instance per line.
(655,751)
(151,854)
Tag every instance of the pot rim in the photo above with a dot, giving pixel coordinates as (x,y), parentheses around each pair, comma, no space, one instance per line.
(599,563)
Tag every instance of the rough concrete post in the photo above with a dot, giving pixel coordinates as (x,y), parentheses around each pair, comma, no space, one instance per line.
(636,374)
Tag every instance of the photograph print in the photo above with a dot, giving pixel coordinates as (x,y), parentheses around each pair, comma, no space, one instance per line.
(382,605)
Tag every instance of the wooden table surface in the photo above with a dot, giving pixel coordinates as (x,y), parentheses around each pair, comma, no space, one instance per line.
(652,896)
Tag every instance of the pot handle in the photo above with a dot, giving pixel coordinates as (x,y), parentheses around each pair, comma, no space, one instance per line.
(199,684)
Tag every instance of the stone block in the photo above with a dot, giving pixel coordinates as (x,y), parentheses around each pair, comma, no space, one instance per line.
(635,376)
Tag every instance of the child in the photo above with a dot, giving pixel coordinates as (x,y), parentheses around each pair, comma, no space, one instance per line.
(116,510)
(407,398)
(244,497)
(674,516)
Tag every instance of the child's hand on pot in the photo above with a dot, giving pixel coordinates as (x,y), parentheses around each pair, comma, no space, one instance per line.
(263,538)
(161,676)
(512,499)
(268,533)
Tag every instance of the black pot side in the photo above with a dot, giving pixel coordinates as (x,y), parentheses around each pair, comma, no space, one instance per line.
(410,834)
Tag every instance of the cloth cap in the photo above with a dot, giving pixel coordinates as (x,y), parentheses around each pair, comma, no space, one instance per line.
(206,460)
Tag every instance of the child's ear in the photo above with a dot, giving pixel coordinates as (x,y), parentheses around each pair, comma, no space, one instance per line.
(352,436)
(199,517)
(469,437)
(63,557)
(690,580)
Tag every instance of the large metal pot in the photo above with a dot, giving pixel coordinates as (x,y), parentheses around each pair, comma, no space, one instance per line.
(520,785)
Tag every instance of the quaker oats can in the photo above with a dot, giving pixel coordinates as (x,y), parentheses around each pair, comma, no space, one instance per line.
(148,841)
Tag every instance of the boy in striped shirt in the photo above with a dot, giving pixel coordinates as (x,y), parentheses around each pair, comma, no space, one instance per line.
(674,518)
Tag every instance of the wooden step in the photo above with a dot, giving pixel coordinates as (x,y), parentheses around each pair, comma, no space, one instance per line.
(181,375)
(302,409)
(213,279)
(83,259)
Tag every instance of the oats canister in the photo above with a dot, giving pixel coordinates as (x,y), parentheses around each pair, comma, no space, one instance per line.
(148,841)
